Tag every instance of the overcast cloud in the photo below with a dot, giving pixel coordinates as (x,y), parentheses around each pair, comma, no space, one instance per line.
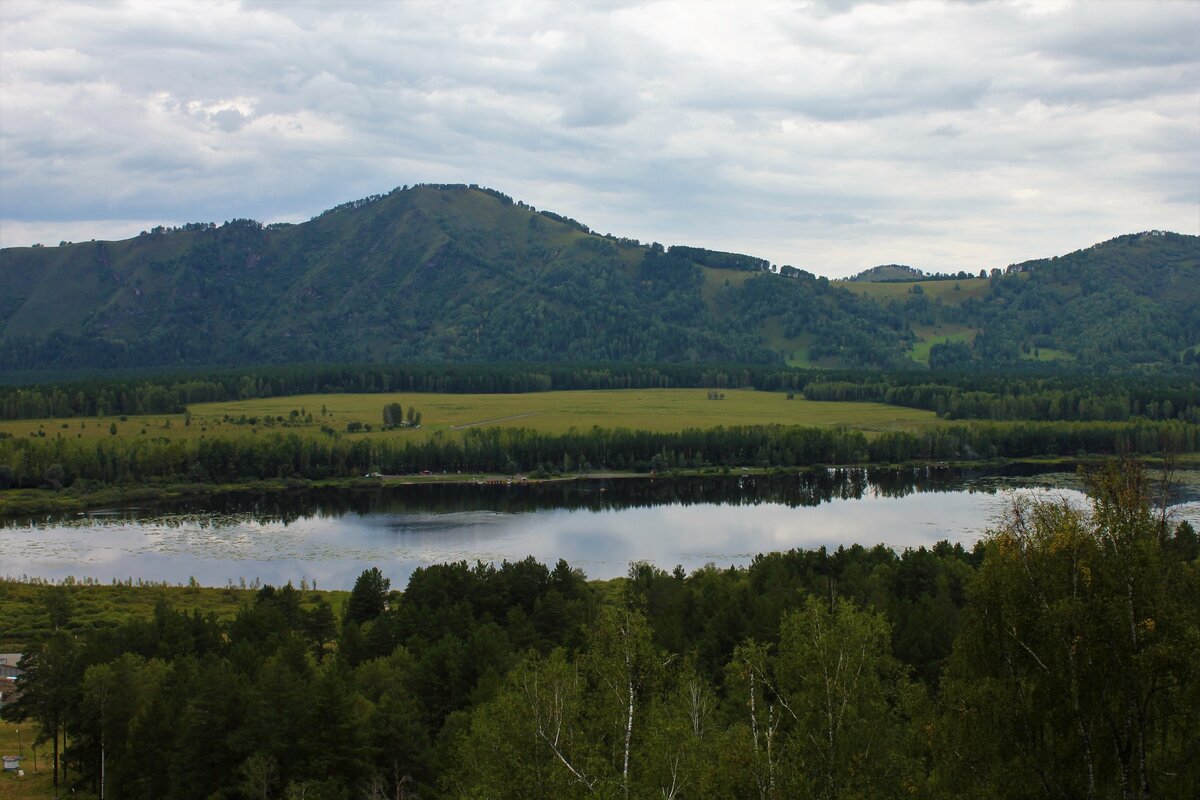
(831,136)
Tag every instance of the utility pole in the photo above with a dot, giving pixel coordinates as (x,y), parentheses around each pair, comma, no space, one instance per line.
(103,697)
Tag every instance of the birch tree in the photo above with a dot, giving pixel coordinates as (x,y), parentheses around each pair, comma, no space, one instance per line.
(624,668)
(845,701)
(1075,674)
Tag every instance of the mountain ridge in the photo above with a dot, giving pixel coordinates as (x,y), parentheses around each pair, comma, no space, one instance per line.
(463,273)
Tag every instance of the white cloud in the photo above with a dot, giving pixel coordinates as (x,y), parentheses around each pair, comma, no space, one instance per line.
(828,135)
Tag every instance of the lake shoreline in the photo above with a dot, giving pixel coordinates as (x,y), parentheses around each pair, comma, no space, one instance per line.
(17,503)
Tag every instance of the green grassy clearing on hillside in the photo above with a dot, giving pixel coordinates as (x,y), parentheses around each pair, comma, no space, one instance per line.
(929,335)
(714,283)
(970,288)
(794,349)
(1047,354)
(663,410)
(799,356)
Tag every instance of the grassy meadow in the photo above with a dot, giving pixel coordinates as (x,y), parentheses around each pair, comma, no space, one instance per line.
(951,292)
(717,280)
(661,410)
(34,784)
(929,335)
(98,605)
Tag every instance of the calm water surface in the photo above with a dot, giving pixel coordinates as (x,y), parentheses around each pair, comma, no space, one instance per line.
(601,526)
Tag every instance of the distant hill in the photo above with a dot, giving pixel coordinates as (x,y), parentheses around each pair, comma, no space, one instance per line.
(425,273)
(461,273)
(889,272)
(1132,300)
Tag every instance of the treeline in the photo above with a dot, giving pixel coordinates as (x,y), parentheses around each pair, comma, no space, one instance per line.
(951,395)
(1016,397)
(375,198)
(1055,660)
(60,462)
(172,393)
(719,259)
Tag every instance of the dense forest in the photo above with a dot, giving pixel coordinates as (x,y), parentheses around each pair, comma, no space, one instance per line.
(954,395)
(1056,659)
(80,466)
(989,396)
(431,273)
(464,274)
(1102,307)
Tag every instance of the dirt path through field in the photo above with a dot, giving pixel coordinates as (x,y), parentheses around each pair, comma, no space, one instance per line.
(490,421)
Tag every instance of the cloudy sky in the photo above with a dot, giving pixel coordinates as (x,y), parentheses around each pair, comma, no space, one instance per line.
(832,136)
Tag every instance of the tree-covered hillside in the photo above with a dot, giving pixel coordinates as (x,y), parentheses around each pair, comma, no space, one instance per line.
(458,273)
(1132,300)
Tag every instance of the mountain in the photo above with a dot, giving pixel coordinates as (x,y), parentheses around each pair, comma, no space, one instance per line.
(433,273)
(889,272)
(1132,300)
(427,273)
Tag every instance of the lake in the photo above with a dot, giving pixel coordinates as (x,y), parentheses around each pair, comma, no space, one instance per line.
(328,537)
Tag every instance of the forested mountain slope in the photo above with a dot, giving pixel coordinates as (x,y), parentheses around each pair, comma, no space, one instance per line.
(461,273)
(432,273)
(1134,299)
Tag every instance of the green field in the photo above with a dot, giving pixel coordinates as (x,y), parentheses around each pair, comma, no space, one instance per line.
(663,410)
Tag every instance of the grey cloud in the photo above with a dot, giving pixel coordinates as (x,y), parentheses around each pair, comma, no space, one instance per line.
(228,119)
(831,130)
(830,218)
(1125,34)
(947,130)
(1188,198)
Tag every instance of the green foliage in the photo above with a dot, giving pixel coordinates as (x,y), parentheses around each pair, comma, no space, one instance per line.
(368,598)
(459,273)
(393,414)
(827,716)
(1059,397)
(1075,674)
(172,392)
(718,259)
(47,693)
(82,466)
(430,273)
(1127,301)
